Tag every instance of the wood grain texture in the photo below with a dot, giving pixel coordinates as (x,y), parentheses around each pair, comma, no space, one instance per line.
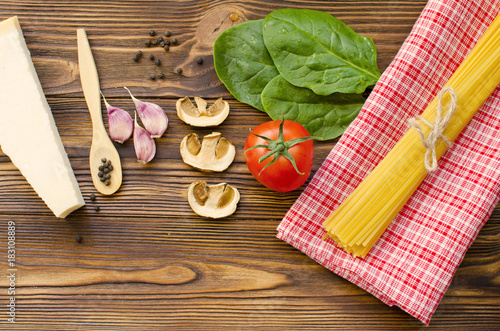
(146,260)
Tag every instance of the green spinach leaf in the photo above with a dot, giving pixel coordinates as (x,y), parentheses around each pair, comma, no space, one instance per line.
(316,50)
(323,116)
(243,63)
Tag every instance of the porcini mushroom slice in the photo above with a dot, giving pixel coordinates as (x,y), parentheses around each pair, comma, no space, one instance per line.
(200,116)
(214,201)
(214,153)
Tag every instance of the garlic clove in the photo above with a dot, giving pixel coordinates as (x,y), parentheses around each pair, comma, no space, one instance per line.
(145,147)
(152,116)
(120,123)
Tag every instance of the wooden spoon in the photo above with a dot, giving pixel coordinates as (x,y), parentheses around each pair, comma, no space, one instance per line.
(102,146)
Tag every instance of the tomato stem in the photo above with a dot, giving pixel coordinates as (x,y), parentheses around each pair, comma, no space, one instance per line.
(279,147)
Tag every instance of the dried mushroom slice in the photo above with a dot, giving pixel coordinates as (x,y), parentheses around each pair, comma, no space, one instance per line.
(201,116)
(214,153)
(214,201)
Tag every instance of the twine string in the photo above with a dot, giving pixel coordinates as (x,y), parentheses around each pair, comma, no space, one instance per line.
(437,129)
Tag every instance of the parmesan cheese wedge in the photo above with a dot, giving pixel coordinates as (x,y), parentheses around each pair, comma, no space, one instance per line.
(28,133)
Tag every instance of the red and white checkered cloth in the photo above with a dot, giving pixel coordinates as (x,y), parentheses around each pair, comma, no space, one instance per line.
(413,263)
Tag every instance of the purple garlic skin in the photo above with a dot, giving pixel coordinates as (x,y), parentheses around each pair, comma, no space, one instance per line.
(145,147)
(153,117)
(120,123)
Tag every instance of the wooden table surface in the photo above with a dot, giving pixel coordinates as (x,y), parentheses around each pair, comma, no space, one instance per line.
(146,260)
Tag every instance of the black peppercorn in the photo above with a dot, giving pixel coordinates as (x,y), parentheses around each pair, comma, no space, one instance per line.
(152,77)
(108,163)
(152,57)
(200,60)
(102,179)
(106,170)
(166,48)
(92,197)
(174,41)
(179,70)
(101,168)
(167,42)
(160,39)
(78,239)
(158,62)
(162,44)
(103,160)
(108,176)
(161,75)
(152,33)
(168,33)
(110,167)
(154,42)
(147,43)
(139,53)
(135,58)
(107,182)
(100,174)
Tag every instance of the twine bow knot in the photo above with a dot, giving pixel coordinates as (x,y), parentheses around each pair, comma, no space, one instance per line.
(437,129)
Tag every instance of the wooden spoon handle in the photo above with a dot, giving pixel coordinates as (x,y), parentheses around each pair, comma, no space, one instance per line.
(90,81)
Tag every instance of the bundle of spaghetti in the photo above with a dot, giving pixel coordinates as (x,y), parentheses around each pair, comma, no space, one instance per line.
(365,214)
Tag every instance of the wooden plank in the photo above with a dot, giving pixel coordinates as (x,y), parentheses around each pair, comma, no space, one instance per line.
(117,30)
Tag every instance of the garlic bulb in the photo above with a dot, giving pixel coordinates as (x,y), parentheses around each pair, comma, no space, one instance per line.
(152,116)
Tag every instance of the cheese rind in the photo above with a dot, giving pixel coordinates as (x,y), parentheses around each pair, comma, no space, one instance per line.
(28,133)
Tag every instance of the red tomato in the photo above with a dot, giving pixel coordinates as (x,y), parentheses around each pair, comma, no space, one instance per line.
(281,175)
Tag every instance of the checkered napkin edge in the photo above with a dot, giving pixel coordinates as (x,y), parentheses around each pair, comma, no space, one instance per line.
(413,263)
